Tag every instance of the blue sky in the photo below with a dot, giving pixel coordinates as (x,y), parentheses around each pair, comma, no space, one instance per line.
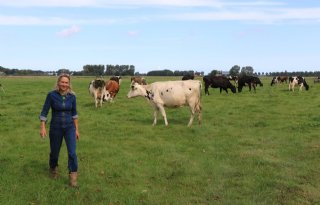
(200,35)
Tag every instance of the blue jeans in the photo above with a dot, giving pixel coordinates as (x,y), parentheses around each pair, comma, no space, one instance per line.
(56,135)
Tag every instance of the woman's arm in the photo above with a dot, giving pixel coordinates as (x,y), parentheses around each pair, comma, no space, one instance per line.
(43,116)
(43,131)
(75,121)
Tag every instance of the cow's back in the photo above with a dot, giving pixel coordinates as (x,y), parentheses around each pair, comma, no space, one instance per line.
(176,93)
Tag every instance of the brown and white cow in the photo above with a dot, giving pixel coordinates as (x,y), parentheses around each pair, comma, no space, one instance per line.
(170,94)
(279,79)
(297,80)
(112,87)
(97,91)
(118,79)
(138,79)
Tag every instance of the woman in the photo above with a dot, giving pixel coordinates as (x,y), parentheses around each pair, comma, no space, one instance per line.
(64,124)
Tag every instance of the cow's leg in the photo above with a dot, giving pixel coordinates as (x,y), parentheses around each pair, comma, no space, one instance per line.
(191,119)
(249,87)
(198,110)
(163,113)
(101,99)
(155,114)
(254,87)
(192,109)
(301,87)
(96,98)
(206,90)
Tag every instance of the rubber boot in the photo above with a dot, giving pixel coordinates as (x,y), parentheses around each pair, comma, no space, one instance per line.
(73,179)
(53,172)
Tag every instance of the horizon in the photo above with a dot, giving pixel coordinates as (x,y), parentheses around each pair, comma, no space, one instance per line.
(199,35)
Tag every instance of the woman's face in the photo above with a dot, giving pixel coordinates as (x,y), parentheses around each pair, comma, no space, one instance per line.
(63,84)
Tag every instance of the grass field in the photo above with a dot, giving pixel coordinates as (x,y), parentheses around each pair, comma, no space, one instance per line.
(252,148)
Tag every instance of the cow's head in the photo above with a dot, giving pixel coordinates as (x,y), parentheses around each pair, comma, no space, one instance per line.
(107,96)
(136,90)
(274,81)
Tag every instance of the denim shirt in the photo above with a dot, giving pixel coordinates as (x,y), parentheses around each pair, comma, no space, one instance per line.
(64,109)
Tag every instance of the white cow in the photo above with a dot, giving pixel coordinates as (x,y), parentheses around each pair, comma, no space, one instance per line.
(170,94)
(97,91)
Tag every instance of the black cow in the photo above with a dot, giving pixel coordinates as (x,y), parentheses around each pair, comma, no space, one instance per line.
(221,82)
(297,80)
(250,81)
(188,77)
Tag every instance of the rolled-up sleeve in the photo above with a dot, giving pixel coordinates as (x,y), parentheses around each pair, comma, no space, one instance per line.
(45,109)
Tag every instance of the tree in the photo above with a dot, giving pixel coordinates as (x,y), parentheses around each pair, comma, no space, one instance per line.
(120,70)
(214,72)
(247,70)
(234,71)
(160,73)
(95,70)
(63,70)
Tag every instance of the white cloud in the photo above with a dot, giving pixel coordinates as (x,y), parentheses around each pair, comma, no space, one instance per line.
(220,10)
(69,31)
(33,21)
(262,16)
(120,3)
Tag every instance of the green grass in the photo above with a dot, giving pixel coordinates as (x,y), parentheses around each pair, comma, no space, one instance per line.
(252,148)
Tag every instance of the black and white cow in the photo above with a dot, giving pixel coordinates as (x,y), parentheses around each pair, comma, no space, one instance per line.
(97,91)
(297,80)
(221,82)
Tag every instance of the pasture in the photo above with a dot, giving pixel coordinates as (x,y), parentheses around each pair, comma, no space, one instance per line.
(252,148)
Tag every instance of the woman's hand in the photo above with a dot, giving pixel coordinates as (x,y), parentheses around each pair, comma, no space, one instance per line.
(43,131)
(77,134)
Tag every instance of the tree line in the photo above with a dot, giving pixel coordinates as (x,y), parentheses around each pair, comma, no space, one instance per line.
(129,70)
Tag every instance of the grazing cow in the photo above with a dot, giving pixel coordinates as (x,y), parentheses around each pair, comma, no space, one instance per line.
(118,79)
(250,81)
(279,79)
(221,82)
(139,80)
(97,91)
(274,80)
(170,94)
(188,76)
(112,88)
(297,80)
(316,79)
